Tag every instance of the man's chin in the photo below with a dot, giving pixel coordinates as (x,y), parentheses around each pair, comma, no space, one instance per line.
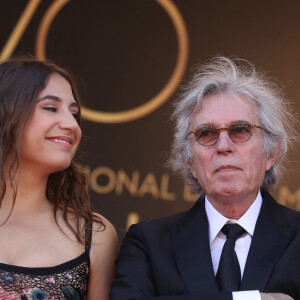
(228,192)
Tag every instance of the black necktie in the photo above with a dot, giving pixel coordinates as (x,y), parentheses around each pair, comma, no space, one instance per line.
(229,272)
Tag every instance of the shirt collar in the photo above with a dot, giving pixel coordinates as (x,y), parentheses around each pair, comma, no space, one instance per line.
(216,220)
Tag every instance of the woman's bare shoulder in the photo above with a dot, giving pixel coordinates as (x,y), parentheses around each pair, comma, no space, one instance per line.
(103,232)
(104,251)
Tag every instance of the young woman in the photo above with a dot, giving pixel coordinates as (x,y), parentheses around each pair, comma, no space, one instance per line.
(52,245)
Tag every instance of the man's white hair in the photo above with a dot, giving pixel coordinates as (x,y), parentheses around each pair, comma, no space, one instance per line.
(237,77)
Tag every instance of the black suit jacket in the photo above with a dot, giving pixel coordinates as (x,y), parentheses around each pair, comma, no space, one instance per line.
(170,258)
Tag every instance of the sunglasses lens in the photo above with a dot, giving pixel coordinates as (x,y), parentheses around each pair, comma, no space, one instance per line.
(240,133)
(206,136)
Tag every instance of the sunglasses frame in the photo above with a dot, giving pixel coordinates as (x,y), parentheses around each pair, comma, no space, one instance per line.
(227,129)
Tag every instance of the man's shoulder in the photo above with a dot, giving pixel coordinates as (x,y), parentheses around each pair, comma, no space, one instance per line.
(275,205)
(165,223)
(283,215)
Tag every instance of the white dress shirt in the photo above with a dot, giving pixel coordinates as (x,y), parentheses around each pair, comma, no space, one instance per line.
(217,239)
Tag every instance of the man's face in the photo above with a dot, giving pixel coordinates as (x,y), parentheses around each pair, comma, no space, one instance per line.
(227,171)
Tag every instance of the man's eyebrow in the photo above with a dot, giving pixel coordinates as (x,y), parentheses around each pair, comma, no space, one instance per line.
(58,99)
(241,121)
(204,125)
(232,123)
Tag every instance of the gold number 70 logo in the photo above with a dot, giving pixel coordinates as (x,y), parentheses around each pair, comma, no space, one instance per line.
(87,113)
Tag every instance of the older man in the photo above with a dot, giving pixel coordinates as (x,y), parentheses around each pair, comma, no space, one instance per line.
(233,129)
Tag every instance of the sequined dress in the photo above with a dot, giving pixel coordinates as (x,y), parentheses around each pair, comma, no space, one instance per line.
(65,281)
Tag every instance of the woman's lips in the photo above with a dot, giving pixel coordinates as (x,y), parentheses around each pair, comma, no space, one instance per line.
(64,140)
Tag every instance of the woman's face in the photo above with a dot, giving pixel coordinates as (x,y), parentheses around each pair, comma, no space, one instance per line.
(51,136)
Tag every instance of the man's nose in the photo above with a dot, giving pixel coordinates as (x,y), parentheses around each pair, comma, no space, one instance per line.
(224,143)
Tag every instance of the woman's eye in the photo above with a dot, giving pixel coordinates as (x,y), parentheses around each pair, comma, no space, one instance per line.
(50,108)
(76,116)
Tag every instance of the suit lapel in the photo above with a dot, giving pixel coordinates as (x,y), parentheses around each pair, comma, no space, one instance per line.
(192,252)
(271,237)
(190,243)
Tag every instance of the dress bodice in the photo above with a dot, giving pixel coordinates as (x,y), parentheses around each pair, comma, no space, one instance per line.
(65,281)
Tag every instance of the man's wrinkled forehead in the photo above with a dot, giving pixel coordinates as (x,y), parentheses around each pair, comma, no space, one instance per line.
(242,99)
(241,103)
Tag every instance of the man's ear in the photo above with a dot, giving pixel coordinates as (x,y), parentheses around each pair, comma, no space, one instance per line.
(190,165)
(271,160)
